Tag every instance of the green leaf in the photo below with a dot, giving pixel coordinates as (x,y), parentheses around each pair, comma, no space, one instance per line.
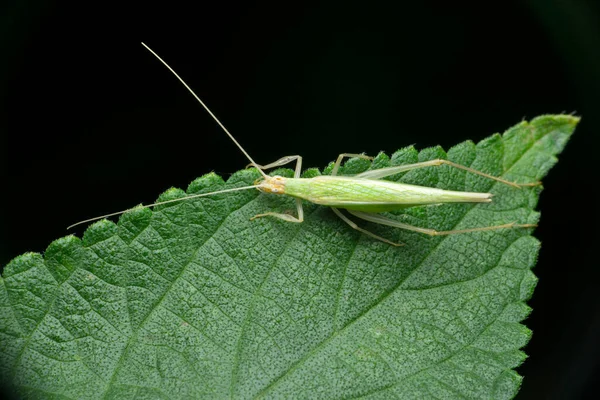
(194,300)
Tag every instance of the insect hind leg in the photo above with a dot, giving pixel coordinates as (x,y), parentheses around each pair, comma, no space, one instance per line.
(358,228)
(383,172)
(380,219)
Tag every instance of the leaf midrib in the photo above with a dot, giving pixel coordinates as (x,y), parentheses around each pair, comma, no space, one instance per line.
(383,298)
(164,295)
(247,319)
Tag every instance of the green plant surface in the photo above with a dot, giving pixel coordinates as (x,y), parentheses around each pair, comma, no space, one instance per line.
(194,300)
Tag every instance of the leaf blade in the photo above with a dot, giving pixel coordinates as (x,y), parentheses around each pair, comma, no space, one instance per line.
(194,300)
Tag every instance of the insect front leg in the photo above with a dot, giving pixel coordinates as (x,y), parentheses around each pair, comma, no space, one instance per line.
(297,172)
(358,228)
(283,161)
(285,217)
(380,219)
(383,172)
(338,162)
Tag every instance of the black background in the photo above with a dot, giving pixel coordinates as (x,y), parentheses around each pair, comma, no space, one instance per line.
(91,123)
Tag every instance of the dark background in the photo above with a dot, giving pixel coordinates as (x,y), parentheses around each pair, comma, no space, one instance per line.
(91,123)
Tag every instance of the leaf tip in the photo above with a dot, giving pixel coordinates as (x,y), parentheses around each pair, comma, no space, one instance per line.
(570,121)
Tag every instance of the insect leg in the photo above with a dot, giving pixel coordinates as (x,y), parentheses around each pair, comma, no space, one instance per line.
(380,219)
(381,173)
(338,162)
(283,161)
(297,172)
(366,232)
(285,217)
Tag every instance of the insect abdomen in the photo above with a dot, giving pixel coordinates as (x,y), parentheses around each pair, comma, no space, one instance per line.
(371,195)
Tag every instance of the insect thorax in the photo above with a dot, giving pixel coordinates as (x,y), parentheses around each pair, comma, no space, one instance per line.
(273,184)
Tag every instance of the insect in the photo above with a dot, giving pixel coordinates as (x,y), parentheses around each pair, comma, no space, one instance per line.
(364,195)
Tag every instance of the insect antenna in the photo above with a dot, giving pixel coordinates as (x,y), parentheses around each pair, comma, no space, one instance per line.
(207,109)
(193,196)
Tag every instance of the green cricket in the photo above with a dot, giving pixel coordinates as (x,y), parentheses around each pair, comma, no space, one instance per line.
(363,195)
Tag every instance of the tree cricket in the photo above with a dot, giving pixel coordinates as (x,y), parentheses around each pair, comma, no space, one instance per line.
(364,195)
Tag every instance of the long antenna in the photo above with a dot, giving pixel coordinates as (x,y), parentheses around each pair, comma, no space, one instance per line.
(163,202)
(207,109)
